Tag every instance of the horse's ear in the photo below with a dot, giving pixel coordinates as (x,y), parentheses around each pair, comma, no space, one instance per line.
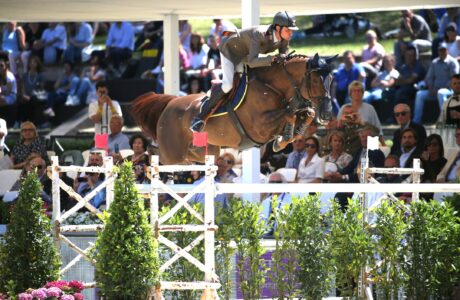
(331,58)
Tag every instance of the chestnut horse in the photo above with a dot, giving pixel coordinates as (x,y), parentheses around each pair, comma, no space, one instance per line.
(262,114)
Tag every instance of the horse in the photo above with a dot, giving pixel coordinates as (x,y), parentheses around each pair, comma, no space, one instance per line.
(259,118)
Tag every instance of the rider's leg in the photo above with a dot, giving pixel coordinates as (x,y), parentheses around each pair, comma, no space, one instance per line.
(216,94)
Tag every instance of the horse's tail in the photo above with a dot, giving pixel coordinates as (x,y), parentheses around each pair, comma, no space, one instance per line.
(146,111)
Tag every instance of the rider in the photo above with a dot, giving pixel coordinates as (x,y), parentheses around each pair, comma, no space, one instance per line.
(244,47)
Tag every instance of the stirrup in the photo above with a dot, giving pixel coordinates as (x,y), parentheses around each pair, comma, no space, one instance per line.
(197,126)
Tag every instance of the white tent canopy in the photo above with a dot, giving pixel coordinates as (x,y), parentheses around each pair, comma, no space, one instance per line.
(138,10)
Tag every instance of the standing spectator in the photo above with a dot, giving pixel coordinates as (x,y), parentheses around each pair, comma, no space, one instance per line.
(403,116)
(13,42)
(383,84)
(120,43)
(33,32)
(220,26)
(450,112)
(372,55)
(3,133)
(117,139)
(311,167)
(28,143)
(53,42)
(338,159)
(101,111)
(419,33)
(8,85)
(437,82)
(81,37)
(347,72)
(298,153)
(451,15)
(451,170)
(410,73)
(433,158)
(140,159)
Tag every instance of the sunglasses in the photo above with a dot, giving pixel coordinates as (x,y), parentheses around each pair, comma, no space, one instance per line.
(310,146)
(403,113)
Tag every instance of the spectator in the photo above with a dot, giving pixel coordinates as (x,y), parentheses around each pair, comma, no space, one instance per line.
(437,81)
(33,33)
(8,85)
(451,170)
(225,173)
(120,43)
(419,33)
(453,41)
(372,55)
(140,159)
(402,115)
(382,86)
(410,73)
(298,153)
(220,26)
(391,161)
(282,200)
(450,16)
(28,143)
(347,72)
(13,42)
(101,111)
(117,139)
(365,110)
(90,182)
(311,167)
(409,149)
(63,87)
(432,157)
(337,160)
(53,42)
(81,37)
(3,133)
(450,112)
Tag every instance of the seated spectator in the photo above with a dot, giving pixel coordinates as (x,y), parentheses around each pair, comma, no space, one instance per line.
(452,40)
(101,111)
(62,88)
(450,112)
(409,149)
(120,43)
(8,85)
(311,167)
(81,37)
(282,199)
(3,133)
(33,94)
(53,42)
(410,73)
(28,143)
(366,111)
(225,173)
(33,32)
(418,31)
(391,161)
(90,182)
(298,153)
(450,16)
(451,170)
(432,157)
(382,86)
(372,54)
(437,81)
(337,160)
(13,42)
(117,139)
(140,158)
(347,72)
(403,116)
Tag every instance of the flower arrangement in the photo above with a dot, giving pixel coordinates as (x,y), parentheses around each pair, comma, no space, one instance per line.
(55,290)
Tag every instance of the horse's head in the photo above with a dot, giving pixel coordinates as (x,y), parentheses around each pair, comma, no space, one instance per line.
(316,86)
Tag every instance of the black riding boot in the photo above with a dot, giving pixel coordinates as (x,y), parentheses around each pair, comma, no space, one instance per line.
(198,122)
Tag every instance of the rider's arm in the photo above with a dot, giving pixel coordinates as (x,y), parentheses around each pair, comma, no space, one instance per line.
(254,61)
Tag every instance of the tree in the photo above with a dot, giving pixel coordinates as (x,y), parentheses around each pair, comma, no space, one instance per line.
(29,258)
(127,262)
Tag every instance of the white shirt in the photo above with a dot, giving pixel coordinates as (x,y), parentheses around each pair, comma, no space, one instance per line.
(106,116)
(313,170)
(3,129)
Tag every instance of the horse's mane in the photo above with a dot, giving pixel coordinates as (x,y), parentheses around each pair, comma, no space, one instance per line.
(146,111)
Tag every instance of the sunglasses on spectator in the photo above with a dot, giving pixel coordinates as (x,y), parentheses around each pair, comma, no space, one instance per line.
(402,113)
(310,146)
